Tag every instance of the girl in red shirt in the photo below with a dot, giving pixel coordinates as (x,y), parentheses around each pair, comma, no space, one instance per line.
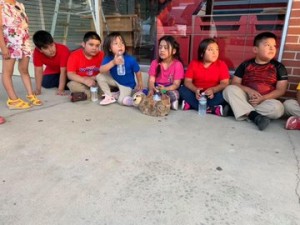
(207,74)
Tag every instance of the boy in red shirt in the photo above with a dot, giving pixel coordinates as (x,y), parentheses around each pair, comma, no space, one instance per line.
(84,63)
(52,55)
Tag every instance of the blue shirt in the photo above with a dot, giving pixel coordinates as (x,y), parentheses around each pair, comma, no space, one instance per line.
(131,67)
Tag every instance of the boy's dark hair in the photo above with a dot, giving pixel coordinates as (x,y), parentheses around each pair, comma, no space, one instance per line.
(42,39)
(171,42)
(91,35)
(109,39)
(203,46)
(258,38)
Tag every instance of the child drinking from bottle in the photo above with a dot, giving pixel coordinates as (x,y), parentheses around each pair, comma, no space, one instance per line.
(114,47)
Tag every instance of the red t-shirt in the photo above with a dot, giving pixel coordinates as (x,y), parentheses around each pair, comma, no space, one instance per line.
(83,66)
(53,64)
(207,77)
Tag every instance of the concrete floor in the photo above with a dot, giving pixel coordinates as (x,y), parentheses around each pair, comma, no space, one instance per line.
(86,164)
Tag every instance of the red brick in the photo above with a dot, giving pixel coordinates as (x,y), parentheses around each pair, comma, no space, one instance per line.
(294,79)
(292,47)
(293,86)
(294,30)
(295,13)
(288,55)
(291,63)
(294,22)
(298,56)
(292,39)
(296,5)
(297,71)
(289,94)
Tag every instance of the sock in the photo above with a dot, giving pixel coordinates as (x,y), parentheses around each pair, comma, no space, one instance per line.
(252,115)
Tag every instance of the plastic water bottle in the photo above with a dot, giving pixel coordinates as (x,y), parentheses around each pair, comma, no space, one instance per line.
(94,93)
(121,67)
(156,96)
(202,105)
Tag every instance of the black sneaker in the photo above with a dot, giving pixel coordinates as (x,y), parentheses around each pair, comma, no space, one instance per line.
(227,111)
(261,122)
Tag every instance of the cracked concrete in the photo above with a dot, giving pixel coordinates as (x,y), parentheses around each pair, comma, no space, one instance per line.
(81,163)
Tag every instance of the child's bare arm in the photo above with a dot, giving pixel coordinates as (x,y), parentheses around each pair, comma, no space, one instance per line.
(139,80)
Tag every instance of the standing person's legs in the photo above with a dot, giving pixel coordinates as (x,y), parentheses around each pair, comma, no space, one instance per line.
(292,107)
(188,96)
(238,100)
(7,72)
(23,69)
(13,101)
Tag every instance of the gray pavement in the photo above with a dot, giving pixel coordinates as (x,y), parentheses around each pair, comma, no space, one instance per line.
(86,164)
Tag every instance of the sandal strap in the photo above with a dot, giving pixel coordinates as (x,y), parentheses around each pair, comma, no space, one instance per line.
(34,100)
(17,104)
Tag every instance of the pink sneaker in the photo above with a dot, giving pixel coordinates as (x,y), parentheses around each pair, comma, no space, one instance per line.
(293,123)
(185,105)
(107,100)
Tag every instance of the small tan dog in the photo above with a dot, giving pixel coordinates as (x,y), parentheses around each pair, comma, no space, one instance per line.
(150,107)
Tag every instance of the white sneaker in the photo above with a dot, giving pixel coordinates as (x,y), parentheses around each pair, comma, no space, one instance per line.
(107,100)
(174,105)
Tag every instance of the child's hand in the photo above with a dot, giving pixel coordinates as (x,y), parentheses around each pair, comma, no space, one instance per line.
(5,53)
(89,82)
(161,88)
(118,60)
(61,92)
(209,93)
(197,93)
(139,87)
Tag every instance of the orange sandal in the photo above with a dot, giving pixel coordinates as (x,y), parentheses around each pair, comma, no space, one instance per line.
(34,100)
(17,104)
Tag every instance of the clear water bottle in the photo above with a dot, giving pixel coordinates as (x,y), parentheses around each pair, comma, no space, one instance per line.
(202,105)
(94,94)
(156,96)
(121,67)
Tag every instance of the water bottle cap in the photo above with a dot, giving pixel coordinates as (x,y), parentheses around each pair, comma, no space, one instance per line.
(94,89)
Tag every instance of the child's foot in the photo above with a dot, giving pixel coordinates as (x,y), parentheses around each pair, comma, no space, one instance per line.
(185,105)
(128,101)
(17,104)
(217,110)
(261,122)
(107,100)
(293,123)
(115,94)
(174,105)
(34,100)
(2,120)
